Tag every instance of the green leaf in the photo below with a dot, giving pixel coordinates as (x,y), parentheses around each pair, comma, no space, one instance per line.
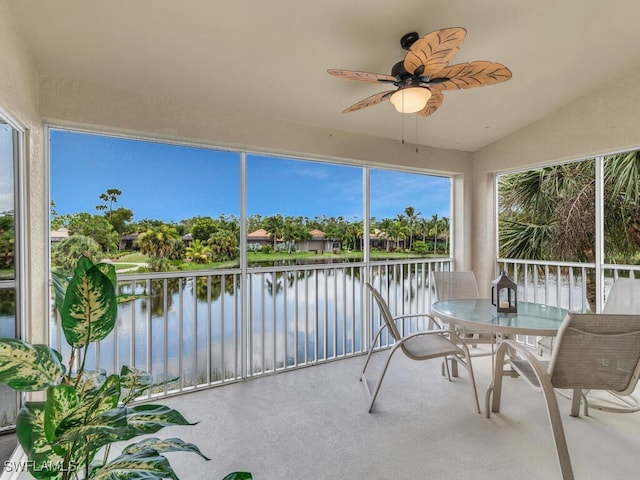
(93,403)
(91,381)
(90,306)
(27,367)
(60,282)
(143,419)
(61,400)
(143,465)
(151,418)
(120,423)
(133,378)
(238,476)
(109,270)
(31,435)
(164,445)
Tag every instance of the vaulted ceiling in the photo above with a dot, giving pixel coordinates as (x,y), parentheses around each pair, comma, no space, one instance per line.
(269,59)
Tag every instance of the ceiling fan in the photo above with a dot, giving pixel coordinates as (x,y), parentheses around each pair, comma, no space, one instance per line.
(425,73)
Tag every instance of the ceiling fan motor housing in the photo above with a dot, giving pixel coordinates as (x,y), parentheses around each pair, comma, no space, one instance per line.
(408,39)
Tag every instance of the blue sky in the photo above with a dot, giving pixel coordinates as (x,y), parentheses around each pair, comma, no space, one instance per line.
(171,183)
(6,168)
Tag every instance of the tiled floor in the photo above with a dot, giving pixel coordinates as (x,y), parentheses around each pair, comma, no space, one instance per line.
(312,424)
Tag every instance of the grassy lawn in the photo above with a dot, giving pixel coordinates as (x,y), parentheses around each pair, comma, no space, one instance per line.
(134,257)
(128,260)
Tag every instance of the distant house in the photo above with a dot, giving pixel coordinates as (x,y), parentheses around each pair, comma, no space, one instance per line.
(318,243)
(127,241)
(260,236)
(187,239)
(377,239)
(59,235)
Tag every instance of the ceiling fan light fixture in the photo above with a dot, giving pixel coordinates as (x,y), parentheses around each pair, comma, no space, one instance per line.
(410,99)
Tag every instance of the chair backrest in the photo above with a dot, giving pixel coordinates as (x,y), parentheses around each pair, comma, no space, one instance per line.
(454,285)
(385,313)
(624,297)
(598,352)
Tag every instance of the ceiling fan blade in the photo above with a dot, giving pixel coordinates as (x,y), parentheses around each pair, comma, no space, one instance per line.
(433,104)
(365,77)
(470,75)
(369,101)
(434,51)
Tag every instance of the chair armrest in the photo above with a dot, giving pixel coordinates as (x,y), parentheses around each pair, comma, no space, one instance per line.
(432,319)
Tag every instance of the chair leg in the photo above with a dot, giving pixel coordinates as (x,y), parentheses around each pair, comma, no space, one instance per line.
(446,367)
(557,429)
(472,378)
(373,344)
(553,411)
(384,371)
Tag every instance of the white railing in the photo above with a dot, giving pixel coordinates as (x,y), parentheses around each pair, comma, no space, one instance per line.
(209,328)
(578,287)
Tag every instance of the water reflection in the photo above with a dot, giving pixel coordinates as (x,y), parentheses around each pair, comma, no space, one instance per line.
(191,326)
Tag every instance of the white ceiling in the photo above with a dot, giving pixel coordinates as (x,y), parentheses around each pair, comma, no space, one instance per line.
(268,58)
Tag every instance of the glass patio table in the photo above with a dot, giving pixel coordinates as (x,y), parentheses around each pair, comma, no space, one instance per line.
(476,314)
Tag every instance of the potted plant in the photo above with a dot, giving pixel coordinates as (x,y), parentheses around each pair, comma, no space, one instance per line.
(68,432)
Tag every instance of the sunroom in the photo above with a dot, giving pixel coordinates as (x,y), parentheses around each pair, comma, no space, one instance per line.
(251,78)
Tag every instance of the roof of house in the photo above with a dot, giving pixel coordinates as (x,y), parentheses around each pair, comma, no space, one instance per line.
(259,234)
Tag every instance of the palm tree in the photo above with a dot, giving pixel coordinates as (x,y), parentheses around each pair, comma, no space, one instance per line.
(386,226)
(198,252)
(433,230)
(275,228)
(160,244)
(412,218)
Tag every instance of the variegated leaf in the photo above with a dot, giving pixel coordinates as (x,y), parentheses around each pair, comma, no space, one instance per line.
(124,423)
(46,463)
(61,400)
(144,465)
(91,381)
(90,306)
(27,367)
(93,403)
(109,270)
(133,378)
(90,438)
(143,419)
(60,282)
(164,445)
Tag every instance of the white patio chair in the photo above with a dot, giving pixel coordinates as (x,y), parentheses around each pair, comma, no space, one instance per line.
(448,285)
(423,345)
(623,298)
(591,352)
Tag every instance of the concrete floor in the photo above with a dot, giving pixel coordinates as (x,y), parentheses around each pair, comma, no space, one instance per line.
(313,424)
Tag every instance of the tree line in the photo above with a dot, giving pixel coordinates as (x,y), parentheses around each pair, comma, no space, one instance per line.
(217,239)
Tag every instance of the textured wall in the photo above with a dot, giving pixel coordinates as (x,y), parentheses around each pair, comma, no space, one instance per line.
(19,102)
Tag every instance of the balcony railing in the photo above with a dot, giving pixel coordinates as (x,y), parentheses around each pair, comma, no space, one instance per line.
(578,287)
(208,328)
